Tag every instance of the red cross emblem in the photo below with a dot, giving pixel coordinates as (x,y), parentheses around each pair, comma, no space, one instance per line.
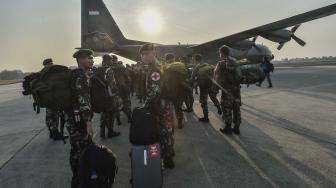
(155,76)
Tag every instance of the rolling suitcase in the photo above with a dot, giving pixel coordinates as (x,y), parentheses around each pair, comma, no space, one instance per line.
(146,166)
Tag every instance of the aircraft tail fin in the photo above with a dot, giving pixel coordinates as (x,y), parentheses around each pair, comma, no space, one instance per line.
(100,32)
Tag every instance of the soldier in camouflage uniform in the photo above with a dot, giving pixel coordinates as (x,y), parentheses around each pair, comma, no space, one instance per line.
(179,92)
(189,98)
(123,83)
(154,101)
(206,88)
(107,117)
(78,119)
(52,116)
(227,77)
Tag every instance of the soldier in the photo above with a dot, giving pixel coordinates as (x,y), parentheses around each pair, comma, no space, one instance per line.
(107,117)
(180,90)
(189,98)
(267,67)
(227,77)
(123,83)
(154,101)
(78,118)
(204,73)
(52,116)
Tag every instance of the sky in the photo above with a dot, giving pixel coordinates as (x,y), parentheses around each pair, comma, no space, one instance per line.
(31,30)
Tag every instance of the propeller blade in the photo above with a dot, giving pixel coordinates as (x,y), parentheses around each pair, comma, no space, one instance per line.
(295,28)
(299,41)
(280,46)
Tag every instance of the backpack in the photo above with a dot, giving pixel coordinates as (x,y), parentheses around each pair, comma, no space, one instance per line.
(27,81)
(205,72)
(102,98)
(250,74)
(97,167)
(144,128)
(175,77)
(52,89)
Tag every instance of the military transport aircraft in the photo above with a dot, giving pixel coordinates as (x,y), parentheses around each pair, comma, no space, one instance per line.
(101,34)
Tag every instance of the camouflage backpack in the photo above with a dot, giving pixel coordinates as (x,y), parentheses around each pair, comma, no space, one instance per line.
(205,72)
(52,89)
(175,77)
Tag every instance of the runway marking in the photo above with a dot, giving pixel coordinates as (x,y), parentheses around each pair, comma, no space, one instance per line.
(240,150)
(204,170)
(24,146)
(292,169)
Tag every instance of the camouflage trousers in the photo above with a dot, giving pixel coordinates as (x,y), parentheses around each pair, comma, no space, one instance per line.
(189,98)
(52,119)
(127,106)
(178,111)
(230,103)
(166,134)
(106,121)
(205,91)
(79,141)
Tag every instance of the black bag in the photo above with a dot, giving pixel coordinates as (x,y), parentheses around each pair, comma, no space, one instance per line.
(146,166)
(101,94)
(97,167)
(27,81)
(144,128)
(250,74)
(53,88)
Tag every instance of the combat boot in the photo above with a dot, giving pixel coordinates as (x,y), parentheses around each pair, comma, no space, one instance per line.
(204,119)
(57,135)
(236,130)
(227,130)
(168,163)
(112,134)
(219,110)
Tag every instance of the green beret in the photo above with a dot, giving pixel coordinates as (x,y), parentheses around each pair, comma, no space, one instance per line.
(82,53)
(146,47)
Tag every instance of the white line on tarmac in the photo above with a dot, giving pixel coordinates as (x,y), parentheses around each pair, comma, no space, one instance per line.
(240,150)
(204,170)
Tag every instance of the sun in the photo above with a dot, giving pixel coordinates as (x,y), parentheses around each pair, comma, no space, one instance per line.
(151,21)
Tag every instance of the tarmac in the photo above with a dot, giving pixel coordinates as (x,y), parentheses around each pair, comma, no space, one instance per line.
(288,140)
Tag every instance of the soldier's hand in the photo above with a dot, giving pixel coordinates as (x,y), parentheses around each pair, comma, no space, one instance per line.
(89,129)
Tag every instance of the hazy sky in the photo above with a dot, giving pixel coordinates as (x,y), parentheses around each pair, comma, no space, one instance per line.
(31,30)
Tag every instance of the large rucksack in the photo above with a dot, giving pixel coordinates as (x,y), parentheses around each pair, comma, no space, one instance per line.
(102,96)
(175,83)
(205,72)
(52,89)
(27,83)
(97,167)
(144,128)
(250,74)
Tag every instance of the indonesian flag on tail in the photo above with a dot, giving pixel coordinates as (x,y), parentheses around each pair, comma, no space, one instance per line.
(93,11)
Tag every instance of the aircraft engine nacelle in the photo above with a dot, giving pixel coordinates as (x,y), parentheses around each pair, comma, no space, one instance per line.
(283,35)
(98,41)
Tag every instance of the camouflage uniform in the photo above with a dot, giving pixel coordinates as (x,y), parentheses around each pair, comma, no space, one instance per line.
(76,119)
(154,104)
(227,77)
(107,117)
(123,83)
(189,98)
(206,88)
(52,120)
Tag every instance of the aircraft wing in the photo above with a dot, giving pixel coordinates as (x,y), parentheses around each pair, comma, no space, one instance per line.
(282,24)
